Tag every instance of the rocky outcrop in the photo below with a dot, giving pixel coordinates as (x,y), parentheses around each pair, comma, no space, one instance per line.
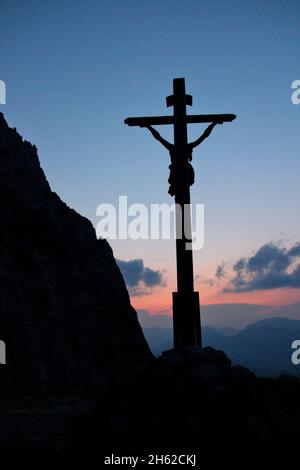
(186,402)
(65,313)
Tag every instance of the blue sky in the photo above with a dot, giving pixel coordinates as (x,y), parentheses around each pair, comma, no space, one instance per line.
(74,70)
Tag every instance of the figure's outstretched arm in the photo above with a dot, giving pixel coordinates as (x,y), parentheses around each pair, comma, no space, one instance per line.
(204,136)
(158,137)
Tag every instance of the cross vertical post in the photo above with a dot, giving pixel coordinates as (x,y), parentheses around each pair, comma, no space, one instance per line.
(186,305)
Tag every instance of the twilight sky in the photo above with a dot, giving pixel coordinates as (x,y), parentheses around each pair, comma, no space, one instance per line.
(74,70)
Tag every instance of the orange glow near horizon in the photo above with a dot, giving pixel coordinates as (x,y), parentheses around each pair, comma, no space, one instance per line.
(154,303)
(161,301)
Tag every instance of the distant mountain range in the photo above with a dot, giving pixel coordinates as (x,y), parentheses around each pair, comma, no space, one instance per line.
(234,316)
(264,346)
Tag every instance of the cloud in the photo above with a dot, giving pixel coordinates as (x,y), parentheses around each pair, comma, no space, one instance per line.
(271,267)
(201,280)
(212,282)
(221,271)
(139,278)
(295,250)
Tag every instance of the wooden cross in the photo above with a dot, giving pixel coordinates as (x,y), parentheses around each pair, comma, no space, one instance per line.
(186,305)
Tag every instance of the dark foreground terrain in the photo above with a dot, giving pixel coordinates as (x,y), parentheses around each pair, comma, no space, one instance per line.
(190,401)
(39,423)
(177,403)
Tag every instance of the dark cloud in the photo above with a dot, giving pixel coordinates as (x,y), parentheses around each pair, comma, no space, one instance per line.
(295,250)
(221,271)
(139,278)
(271,267)
(201,280)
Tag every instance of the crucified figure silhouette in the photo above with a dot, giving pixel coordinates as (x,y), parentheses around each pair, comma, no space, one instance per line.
(175,164)
(186,305)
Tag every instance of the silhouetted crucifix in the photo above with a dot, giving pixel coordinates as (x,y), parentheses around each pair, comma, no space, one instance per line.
(186,305)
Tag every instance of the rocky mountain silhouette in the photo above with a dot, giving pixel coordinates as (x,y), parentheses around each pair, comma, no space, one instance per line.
(65,313)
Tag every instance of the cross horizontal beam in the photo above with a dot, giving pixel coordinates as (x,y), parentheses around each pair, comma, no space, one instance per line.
(149,121)
(190,119)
